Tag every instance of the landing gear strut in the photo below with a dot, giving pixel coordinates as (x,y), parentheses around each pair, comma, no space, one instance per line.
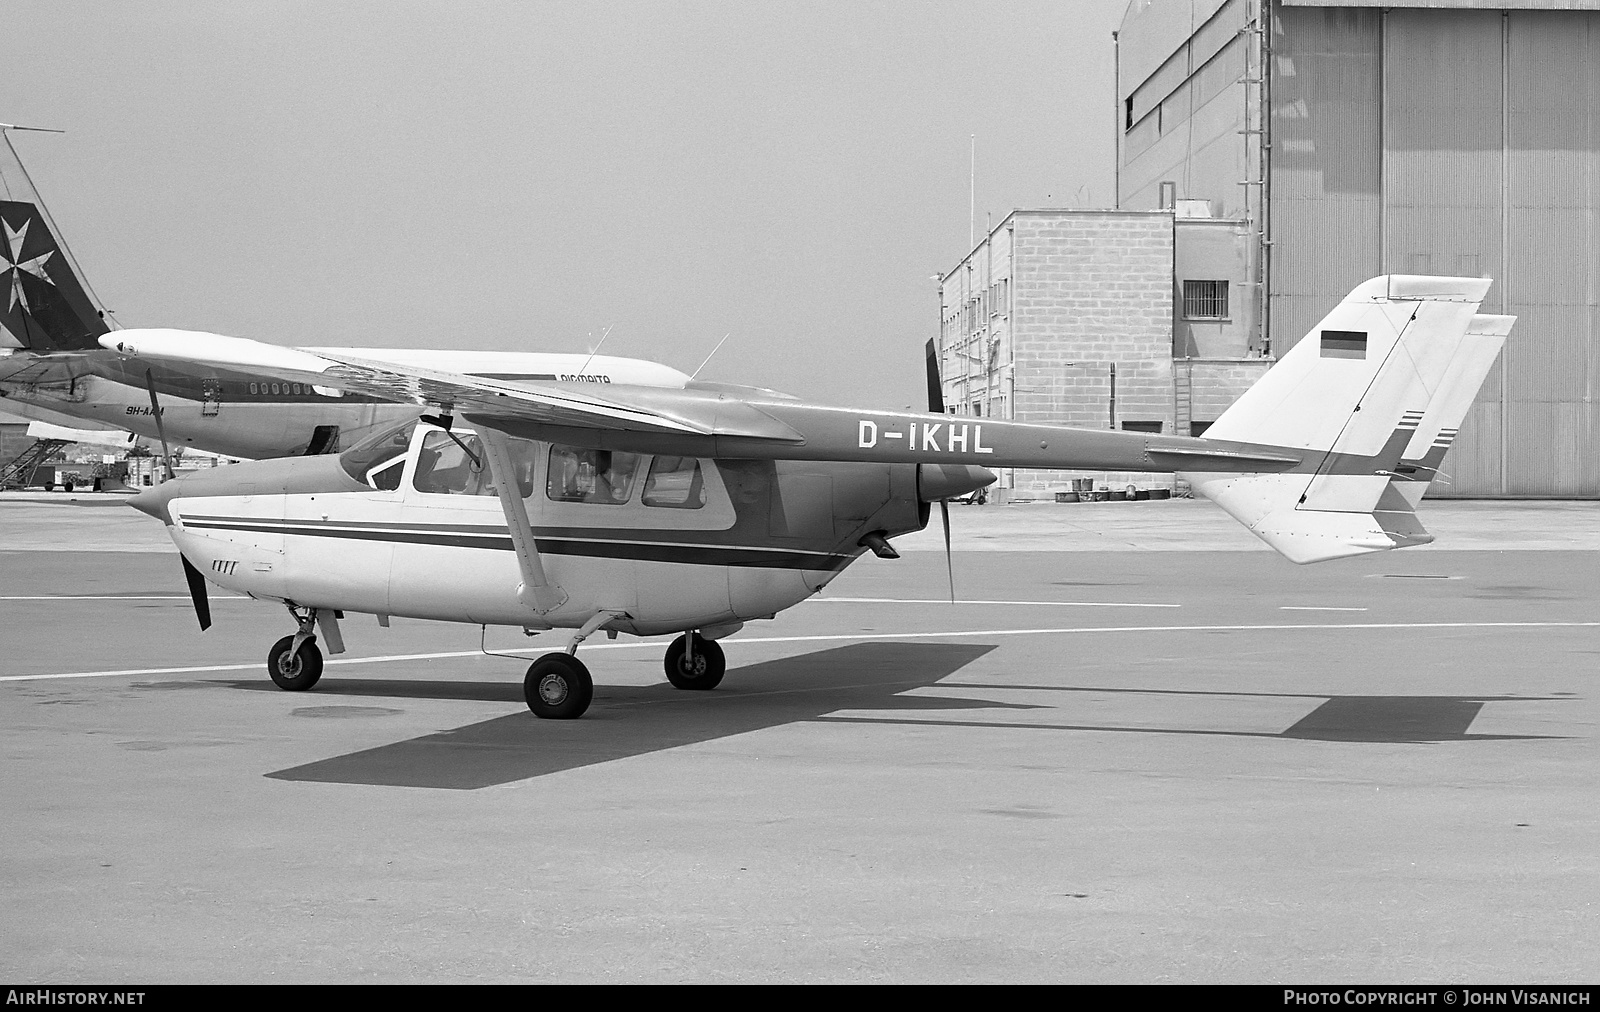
(694,662)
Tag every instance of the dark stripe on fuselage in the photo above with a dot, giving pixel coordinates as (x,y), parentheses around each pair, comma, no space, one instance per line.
(459,537)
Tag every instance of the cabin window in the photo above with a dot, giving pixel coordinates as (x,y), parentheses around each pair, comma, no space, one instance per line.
(446,467)
(254,388)
(590,476)
(387,478)
(376,453)
(675,483)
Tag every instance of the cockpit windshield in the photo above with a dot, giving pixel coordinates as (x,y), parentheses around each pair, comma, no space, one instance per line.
(383,447)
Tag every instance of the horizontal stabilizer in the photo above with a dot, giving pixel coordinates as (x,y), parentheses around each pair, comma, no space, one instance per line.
(1267,505)
(1170,458)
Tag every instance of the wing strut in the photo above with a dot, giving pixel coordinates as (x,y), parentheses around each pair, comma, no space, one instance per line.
(536,591)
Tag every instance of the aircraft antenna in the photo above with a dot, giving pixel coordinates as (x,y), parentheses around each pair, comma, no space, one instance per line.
(596,350)
(718,348)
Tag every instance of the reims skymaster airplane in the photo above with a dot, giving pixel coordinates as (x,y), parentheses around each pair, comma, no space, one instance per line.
(697,507)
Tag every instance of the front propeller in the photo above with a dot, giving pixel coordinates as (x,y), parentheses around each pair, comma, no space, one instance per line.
(197,593)
(157,502)
(161,431)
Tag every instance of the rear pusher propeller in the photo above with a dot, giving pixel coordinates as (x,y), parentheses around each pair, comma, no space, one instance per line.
(936,406)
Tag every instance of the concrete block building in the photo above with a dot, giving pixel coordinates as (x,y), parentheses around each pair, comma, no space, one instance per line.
(1127,320)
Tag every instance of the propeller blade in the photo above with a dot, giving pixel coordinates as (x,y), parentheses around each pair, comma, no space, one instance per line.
(935,388)
(936,406)
(949,563)
(155,412)
(197,594)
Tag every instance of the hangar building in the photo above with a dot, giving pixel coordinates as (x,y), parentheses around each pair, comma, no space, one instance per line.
(1291,149)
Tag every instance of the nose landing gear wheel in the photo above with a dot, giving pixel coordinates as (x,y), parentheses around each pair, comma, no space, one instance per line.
(703,672)
(295,672)
(558,687)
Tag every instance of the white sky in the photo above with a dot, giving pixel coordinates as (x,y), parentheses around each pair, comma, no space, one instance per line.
(524,175)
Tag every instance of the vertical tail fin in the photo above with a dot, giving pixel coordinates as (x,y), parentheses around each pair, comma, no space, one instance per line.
(44,306)
(1350,398)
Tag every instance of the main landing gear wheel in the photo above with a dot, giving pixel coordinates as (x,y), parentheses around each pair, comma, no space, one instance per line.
(558,687)
(704,671)
(295,672)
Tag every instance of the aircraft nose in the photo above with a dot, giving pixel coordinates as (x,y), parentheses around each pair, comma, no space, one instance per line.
(153,501)
(945,481)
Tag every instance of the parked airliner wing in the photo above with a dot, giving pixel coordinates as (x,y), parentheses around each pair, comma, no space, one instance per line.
(581,405)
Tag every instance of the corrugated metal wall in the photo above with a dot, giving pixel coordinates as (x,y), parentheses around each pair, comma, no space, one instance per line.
(1325,164)
(1489,164)
(1552,362)
(1443,184)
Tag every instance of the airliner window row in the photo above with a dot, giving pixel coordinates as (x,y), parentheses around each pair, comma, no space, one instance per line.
(280,389)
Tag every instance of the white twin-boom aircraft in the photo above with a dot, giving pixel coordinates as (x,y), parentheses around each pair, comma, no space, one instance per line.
(651,504)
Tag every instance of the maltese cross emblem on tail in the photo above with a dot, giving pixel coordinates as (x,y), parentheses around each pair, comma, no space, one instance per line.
(16,239)
(45,307)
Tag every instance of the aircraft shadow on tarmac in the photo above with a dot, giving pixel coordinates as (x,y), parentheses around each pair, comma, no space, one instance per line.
(627,721)
(1375,719)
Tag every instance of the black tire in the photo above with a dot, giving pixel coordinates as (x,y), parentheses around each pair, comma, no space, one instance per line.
(297,673)
(707,670)
(558,687)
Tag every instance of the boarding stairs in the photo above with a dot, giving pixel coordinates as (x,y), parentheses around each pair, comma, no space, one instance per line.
(19,472)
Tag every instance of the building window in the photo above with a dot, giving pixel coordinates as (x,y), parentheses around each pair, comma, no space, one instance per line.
(1205,300)
(1154,427)
(1198,428)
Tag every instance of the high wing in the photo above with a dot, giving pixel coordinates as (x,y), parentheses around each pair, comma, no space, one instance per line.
(1306,458)
(712,420)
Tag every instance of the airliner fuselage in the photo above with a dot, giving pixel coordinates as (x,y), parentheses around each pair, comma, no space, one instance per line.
(241,414)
